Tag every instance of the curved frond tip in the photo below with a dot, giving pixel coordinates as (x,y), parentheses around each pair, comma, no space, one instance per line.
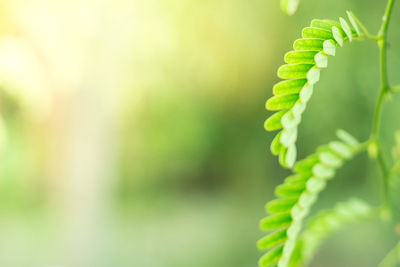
(296,196)
(324,224)
(300,73)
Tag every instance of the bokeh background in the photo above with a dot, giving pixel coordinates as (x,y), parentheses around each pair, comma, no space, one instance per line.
(131,132)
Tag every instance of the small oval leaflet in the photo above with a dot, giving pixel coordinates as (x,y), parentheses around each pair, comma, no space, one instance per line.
(274,122)
(337,35)
(321,60)
(346,28)
(294,57)
(282,102)
(309,44)
(288,87)
(294,71)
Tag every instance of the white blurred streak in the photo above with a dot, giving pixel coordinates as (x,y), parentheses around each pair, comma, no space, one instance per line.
(85,181)
(86,54)
(80,64)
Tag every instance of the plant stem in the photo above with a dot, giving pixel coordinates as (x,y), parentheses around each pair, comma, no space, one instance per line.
(377,115)
(382,42)
(386,18)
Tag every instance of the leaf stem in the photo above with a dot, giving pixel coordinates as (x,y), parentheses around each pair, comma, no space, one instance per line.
(382,43)
(386,19)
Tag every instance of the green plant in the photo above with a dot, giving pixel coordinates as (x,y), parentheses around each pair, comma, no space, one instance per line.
(286,244)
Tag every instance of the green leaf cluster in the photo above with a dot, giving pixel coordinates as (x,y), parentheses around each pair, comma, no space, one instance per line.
(300,191)
(296,196)
(300,73)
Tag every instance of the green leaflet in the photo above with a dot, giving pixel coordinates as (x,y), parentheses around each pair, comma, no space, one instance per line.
(346,28)
(288,136)
(288,87)
(271,257)
(289,6)
(313,75)
(296,196)
(313,32)
(282,155)
(291,154)
(306,165)
(323,171)
(299,177)
(330,159)
(276,221)
(277,238)
(329,48)
(309,44)
(306,57)
(281,102)
(281,204)
(324,24)
(299,75)
(274,122)
(276,144)
(341,149)
(289,190)
(287,155)
(326,223)
(337,35)
(327,24)
(306,93)
(290,119)
(321,60)
(357,26)
(294,71)
(347,138)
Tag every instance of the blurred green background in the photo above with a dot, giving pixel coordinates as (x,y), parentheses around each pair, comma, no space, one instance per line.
(131,132)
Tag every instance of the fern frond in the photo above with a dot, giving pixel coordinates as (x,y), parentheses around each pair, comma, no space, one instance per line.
(296,196)
(300,73)
(326,223)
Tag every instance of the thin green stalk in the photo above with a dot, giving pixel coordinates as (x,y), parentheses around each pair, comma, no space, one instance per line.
(382,42)
(377,116)
(386,18)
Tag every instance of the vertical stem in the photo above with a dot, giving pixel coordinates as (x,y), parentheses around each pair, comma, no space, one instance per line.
(382,42)
(386,18)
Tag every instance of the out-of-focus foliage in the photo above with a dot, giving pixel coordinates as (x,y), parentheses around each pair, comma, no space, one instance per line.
(326,223)
(132,131)
(395,177)
(393,258)
(290,6)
